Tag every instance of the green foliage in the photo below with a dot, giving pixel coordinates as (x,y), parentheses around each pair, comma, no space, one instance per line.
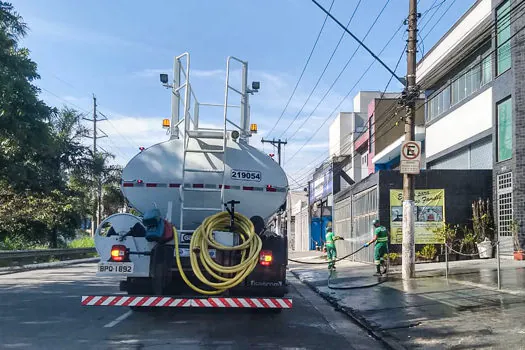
(82,242)
(468,242)
(514,228)
(428,252)
(482,222)
(392,256)
(47,177)
(447,233)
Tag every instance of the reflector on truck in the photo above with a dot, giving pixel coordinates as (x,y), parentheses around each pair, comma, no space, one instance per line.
(215,302)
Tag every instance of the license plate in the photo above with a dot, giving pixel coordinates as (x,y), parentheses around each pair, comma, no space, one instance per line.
(185,252)
(115,268)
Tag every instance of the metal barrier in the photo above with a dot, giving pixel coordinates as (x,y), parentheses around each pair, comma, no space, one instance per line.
(449,249)
(23,254)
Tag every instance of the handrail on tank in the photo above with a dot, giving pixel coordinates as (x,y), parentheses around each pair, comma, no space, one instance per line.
(244,97)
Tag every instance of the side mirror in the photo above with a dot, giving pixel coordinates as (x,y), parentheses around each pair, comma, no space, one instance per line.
(164,78)
(256,85)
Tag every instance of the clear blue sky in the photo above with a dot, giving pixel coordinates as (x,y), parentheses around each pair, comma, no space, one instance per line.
(116,49)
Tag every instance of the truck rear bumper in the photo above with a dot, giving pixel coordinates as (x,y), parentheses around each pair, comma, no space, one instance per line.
(200,302)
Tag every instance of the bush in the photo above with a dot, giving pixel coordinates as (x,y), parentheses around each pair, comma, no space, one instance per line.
(428,252)
(83,242)
(392,256)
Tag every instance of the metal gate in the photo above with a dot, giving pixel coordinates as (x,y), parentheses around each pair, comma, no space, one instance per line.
(343,225)
(505,213)
(364,211)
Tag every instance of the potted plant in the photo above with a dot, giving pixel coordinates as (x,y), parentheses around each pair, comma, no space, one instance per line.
(483,227)
(519,254)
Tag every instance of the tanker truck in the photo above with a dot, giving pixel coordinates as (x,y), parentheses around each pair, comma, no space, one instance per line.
(201,200)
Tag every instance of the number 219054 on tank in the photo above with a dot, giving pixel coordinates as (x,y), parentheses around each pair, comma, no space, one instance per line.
(247,175)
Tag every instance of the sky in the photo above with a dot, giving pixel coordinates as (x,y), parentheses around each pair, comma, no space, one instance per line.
(117,49)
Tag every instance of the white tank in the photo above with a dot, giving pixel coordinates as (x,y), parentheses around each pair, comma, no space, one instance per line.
(154,176)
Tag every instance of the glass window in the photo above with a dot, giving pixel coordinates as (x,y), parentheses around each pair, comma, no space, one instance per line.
(503,37)
(486,67)
(504,110)
(446,98)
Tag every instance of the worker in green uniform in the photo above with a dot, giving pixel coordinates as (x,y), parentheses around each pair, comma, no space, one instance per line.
(331,252)
(381,245)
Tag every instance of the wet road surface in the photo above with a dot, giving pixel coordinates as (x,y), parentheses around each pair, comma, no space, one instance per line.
(41,310)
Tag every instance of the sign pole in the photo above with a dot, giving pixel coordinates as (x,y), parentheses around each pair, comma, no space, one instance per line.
(410,94)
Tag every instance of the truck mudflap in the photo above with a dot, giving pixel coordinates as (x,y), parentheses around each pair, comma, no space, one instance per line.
(201,302)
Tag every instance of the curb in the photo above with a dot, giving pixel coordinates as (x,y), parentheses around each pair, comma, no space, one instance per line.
(30,267)
(355,316)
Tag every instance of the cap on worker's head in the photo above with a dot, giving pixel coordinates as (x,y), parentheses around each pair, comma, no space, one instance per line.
(328,229)
(375,222)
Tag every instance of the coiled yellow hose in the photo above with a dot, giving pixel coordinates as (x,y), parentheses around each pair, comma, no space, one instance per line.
(202,239)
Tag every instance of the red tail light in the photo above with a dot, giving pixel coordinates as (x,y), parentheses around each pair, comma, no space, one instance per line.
(265,257)
(119,253)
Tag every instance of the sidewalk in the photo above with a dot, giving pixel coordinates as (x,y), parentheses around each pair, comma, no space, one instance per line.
(466,312)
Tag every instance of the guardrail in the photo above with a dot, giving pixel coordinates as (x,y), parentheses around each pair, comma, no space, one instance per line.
(23,254)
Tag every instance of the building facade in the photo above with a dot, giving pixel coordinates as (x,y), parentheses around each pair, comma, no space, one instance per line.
(473,82)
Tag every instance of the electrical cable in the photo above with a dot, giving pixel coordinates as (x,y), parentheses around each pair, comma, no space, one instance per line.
(440,18)
(302,73)
(328,63)
(424,104)
(337,78)
(349,142)
(202,239)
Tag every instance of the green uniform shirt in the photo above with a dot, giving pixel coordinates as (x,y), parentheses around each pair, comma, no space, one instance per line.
(330,238)
(382,234)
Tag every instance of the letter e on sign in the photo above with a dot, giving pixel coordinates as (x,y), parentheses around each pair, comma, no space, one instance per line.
(410,157)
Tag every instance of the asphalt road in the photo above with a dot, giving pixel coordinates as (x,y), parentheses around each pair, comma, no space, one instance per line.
(41,310)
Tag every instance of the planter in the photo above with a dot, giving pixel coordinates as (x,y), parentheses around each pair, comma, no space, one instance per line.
(519,255)
(465,257)
(396,261)
(485,249)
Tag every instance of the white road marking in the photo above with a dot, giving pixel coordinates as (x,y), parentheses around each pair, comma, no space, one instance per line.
(118,319)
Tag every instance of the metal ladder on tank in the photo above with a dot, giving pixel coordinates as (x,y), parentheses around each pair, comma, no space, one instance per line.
(193,131)
(198,133)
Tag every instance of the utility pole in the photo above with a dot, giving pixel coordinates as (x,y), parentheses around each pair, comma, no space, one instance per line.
(96,216)
(410,95)
(278,144)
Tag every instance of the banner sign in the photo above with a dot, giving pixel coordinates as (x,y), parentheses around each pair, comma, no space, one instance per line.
(321,186)
(429,214)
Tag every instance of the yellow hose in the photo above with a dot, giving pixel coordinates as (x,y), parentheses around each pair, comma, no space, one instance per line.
(202,239)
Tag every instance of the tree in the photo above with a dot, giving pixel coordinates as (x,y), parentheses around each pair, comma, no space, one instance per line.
(46,173)
(52,213)
(24,128)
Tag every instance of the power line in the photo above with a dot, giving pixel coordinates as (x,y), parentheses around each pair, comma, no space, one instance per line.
(515,9)
(304,69)
(324,69)
(440,18)
(83,115)
(343,70)
(346,96)
(433,6)
(372,135)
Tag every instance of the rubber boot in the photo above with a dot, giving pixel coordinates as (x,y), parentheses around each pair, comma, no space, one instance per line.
(378,271)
